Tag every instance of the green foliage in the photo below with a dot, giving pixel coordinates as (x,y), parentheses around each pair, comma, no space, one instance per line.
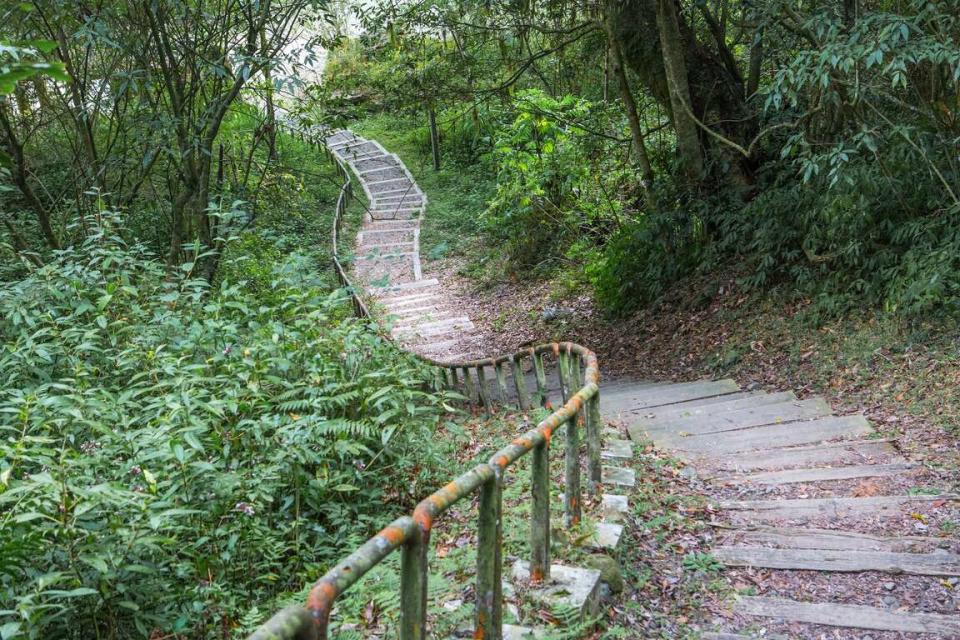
(549,193)
(704,562)
(173,452)
(644,257)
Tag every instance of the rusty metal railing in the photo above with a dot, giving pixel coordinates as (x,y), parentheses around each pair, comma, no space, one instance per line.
(578,377)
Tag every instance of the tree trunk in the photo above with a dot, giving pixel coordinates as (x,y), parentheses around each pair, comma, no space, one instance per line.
(434,137)
(271,124)
(20,178)
(756,65)
(716,96)
(633,117)
(688,138)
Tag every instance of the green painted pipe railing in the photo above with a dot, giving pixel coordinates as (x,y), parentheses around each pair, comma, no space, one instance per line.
(578,377)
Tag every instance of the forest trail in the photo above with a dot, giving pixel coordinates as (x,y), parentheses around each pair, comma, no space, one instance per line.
(419,312)
(817,518)
(818,522)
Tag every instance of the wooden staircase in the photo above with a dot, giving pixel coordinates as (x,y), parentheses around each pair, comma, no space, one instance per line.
(804,497)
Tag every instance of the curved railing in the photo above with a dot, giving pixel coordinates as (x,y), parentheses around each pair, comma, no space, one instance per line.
(578,377)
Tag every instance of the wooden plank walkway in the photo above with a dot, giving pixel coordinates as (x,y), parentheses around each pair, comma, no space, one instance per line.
(756,444)
(417,311)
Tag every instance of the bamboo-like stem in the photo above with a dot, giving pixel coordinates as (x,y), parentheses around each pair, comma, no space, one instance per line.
(413,587)
(540,514)
(489,605)
(520,382)
(563,374)
(469,386)
(572,493)
(594,426)
(484,389)
(541,379)
(502,384)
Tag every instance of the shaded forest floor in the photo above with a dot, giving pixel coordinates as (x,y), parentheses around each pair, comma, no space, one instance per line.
(901,374)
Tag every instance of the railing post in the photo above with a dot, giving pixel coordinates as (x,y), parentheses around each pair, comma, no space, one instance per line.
(540,514)
(413,586)
(541,379)
(502,383)
(572,495)
(489,606)
(484,389)
(471,389)
(520,382)
(563,373)
(594,425)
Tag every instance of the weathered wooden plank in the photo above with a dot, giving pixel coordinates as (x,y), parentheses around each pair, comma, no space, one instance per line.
(836,453)
(819,474)
(794,509)
(847,615)
(801,538)
(764,437)
(782,412)
(723,405)
(846,560)
(632,399)
(713,635)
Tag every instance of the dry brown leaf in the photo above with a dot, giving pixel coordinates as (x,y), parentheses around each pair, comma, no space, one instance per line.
(865,489)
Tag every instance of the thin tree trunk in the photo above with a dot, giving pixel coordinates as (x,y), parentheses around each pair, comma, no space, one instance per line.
(20,244)
(434,137)
(271,112)
(633,117)
(756,65)
(688,140)
(20,178)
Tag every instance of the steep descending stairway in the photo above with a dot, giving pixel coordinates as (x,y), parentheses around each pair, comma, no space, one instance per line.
(816,515)
(421,314)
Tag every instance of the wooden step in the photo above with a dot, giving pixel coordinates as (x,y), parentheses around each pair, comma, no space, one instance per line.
(819,474)
(837,453)
(646,398)
(410,190)
(399,290)
(425,317)
(803,538)
(846,561)
(713,445)
(799,509)
(729,403)
(850,616)
(437,327)
(386,247)
(426,301)
(778,413)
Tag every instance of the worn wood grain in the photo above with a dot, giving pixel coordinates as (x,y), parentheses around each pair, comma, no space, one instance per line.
(766,436)
(851,616)
(782,412)
(846,560)
(811,538)
(835,453)
(797,509)
(819,474)
(636,399)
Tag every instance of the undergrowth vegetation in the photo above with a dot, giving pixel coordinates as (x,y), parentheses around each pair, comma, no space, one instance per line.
(175,451)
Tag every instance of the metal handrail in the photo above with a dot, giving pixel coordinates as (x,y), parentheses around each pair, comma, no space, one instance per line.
(579,379)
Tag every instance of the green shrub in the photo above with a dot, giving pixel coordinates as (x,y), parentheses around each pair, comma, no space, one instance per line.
(173,453)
